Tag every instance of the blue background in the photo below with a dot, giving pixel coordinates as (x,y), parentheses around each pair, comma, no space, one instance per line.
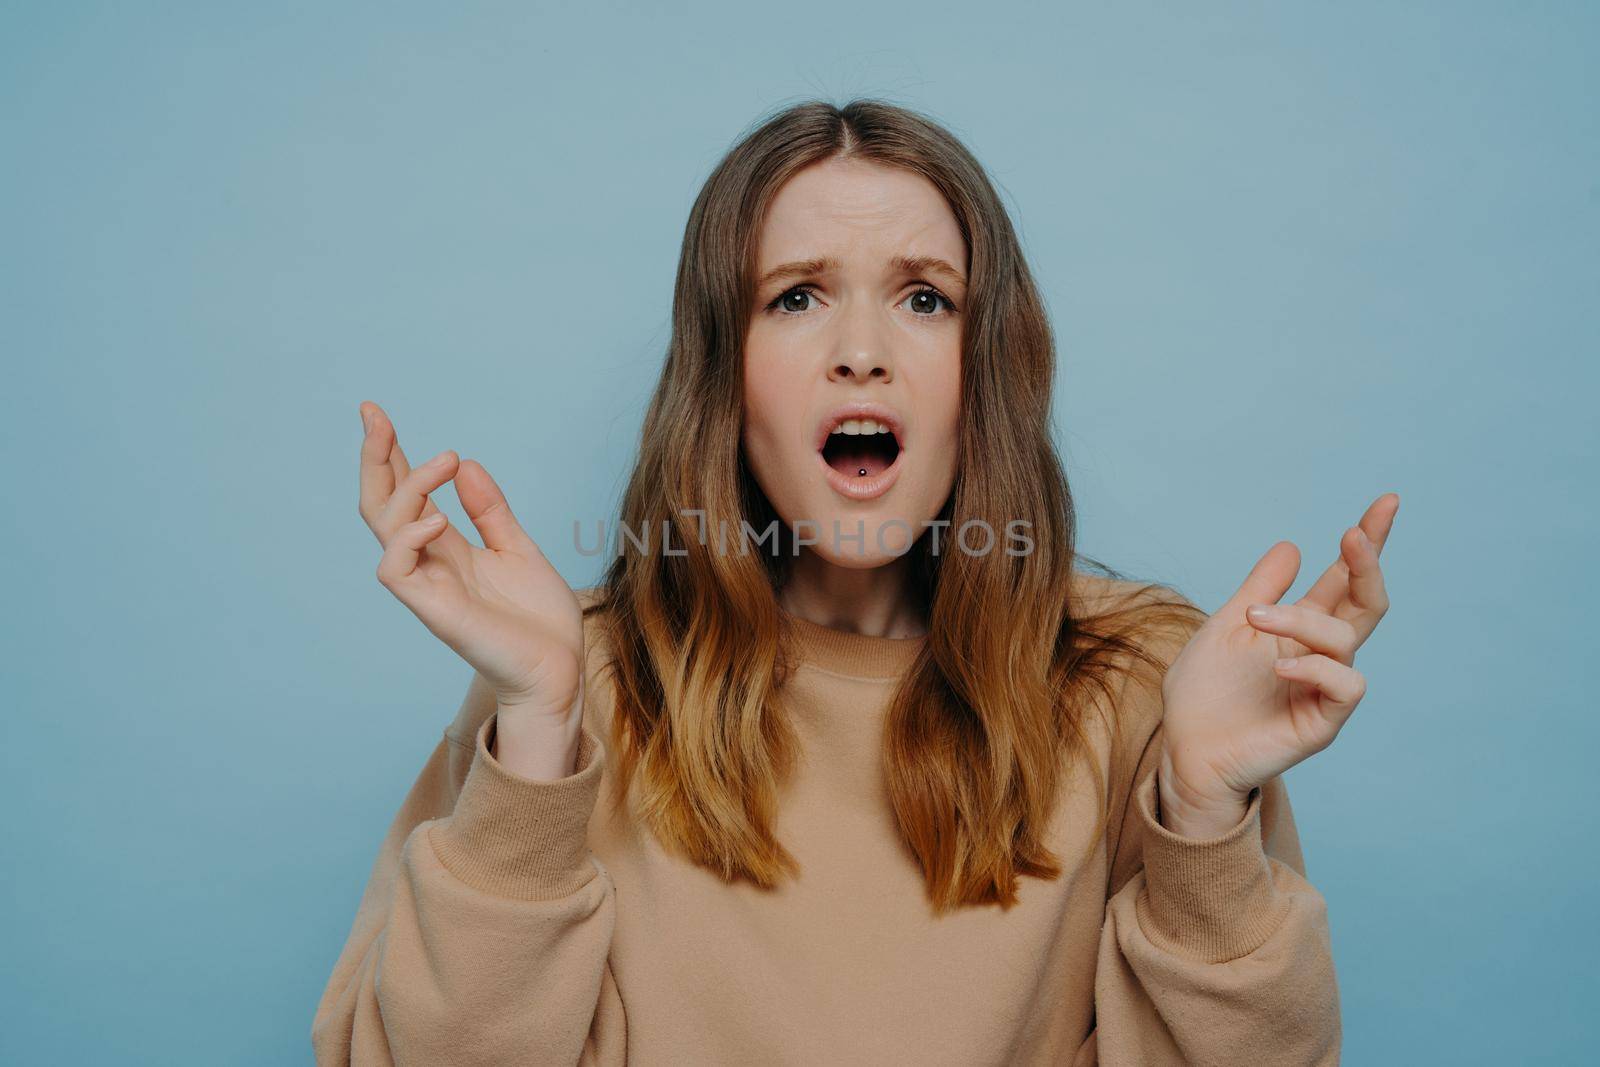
(1297,256)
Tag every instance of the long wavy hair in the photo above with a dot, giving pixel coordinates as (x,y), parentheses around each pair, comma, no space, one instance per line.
(991,717)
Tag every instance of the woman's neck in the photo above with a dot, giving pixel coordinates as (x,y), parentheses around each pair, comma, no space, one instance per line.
(874,601)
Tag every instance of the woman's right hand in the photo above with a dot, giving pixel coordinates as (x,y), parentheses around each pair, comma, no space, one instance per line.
(503,608)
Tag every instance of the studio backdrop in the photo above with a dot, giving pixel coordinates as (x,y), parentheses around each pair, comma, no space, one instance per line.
(1294,255)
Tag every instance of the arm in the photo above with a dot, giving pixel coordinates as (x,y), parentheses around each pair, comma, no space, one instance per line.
(1215,950)
(485,927)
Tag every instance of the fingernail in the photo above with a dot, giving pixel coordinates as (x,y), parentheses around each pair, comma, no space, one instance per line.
(1365,540)
(1260,611)
(435,519)
(366,421)
(1286,664)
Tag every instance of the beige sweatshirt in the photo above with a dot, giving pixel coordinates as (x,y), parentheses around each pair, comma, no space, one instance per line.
(514,921)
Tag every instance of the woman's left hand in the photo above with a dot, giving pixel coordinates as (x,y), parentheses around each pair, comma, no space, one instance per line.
(1236,713)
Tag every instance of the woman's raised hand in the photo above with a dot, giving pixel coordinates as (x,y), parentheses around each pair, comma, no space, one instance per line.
(1263,685)
(503,608)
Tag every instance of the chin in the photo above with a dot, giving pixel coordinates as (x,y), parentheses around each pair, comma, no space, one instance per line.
(889,525)
(869,550)
(869,535)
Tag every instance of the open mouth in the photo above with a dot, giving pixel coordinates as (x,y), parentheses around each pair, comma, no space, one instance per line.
(861,448)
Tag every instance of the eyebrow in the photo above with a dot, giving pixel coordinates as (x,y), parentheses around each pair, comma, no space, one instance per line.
(821,265)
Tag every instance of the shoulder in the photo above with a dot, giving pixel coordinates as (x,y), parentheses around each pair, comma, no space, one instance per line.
(1152,610)
(592,600)
(1152,621)
(1094,593)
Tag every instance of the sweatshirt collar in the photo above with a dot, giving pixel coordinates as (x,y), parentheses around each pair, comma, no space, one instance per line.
(853,654)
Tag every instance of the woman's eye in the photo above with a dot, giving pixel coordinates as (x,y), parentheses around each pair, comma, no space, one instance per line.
(926,302)
(793,301)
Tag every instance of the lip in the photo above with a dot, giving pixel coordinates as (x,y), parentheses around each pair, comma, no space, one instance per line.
(861,488)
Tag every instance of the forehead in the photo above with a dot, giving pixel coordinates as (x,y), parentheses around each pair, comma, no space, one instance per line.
(837,206)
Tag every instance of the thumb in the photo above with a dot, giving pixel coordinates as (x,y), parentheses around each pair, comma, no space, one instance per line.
(1271,577)
(488,509)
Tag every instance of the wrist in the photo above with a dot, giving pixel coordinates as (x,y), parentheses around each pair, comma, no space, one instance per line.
(1200,816)
(536,744)
(1200,825)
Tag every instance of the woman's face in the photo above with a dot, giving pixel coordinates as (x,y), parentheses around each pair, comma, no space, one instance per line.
(855,330)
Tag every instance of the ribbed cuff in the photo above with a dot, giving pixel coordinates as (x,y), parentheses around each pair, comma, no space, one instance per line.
(1209,898)
(521,837)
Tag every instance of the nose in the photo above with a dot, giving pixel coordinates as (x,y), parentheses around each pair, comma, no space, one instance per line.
(861,354)
(860,367)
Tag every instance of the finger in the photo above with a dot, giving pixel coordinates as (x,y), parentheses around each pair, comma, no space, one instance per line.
(1321,633)
(409,497)
(1334,585)
(489,510)
(397,458)
(1366,600)
(399,468)
(1378,521)
(400,555)
(452,542)
(1340,686)
(1267,581)
(377,472)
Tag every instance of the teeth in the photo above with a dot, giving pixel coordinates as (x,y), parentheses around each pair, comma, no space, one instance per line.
(856,427)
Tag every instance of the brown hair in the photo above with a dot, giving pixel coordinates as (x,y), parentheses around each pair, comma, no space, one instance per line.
(993,712)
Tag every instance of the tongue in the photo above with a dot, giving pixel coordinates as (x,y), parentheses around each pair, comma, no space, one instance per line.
(854,460)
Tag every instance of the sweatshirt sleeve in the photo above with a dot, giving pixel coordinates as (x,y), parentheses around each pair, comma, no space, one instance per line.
(484,932)
(1215,950)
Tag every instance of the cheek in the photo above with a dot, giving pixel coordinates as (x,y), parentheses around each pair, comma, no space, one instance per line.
(766,415)
(944,403)
(947,390)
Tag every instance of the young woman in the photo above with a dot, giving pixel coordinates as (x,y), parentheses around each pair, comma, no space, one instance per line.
(889,777)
